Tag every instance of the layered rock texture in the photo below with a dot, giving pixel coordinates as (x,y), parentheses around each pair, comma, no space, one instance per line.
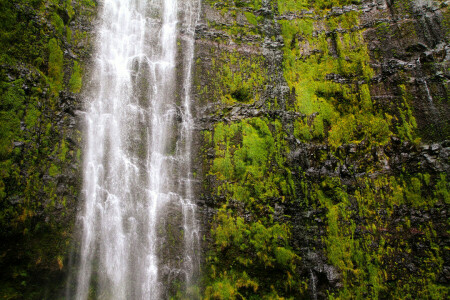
(43,46)
(324,169)
(322,146)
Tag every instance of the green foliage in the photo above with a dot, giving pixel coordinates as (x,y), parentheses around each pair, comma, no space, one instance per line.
(75,82)
(58,23)
(15,23)
(339,109)
(89,3)
(443,188)
(251,18)
(250,161)
(375,222)
(254,4)
(55,65)
(33,212)
(53,170)
(12,99)
(367,254)
(250,164)
(253,251)
(406,122)
(286,6)
(9,126)
(343,112)
(69,8)
(237,78)
(302,131)
(366,126)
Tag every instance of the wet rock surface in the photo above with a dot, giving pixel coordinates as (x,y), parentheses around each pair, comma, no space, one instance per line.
(365,216)
(352,186)
(42,47)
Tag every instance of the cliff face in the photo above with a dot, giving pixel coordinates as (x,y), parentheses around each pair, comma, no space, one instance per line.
(323,153)
(322,146)
(43,46)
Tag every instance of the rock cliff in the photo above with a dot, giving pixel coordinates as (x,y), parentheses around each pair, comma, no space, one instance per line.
(321,146)
(43,49)
(323,128)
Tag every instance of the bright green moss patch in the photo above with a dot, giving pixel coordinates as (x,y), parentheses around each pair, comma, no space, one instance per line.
(33,212)
(250,259)
(237,78)
(32,116)
(250,161)
(250,167)
(286,6)
(12,100)
(75,82)
(406,123)
(330,75)
(251,18)
(382,228)
(69,8)
(254,4)
(9,127)
(58,23)
(55,65)
(367,252)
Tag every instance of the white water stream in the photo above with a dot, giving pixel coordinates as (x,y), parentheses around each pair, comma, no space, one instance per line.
(139,233)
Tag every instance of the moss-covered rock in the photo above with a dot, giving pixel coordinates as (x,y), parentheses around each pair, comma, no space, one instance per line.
(322,142)
(332,155)
(43,46)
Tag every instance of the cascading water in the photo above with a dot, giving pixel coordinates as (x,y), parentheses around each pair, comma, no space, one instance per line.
(139,236)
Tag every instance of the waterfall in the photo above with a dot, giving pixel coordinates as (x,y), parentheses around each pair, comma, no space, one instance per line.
(139,232)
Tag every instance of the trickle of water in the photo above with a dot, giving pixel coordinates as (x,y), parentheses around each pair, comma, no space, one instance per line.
(427,90)
(313,279)
(139,233)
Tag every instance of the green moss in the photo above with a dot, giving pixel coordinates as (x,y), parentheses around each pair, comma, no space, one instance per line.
(250,166)
(254,4)
(12,102)
(9,127)
(292,5)
(302,131)
(53,170)
(69,35)
(31,147)
(251,18)
(237,78)
(58,23)
(33,115)
(286,6)
(342,131)
(340,112)
(75,82)
(374,221)
(407,125)
(254,251)
(368,253)
(55,65)
(443,188)
(250,160)
(69,8)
